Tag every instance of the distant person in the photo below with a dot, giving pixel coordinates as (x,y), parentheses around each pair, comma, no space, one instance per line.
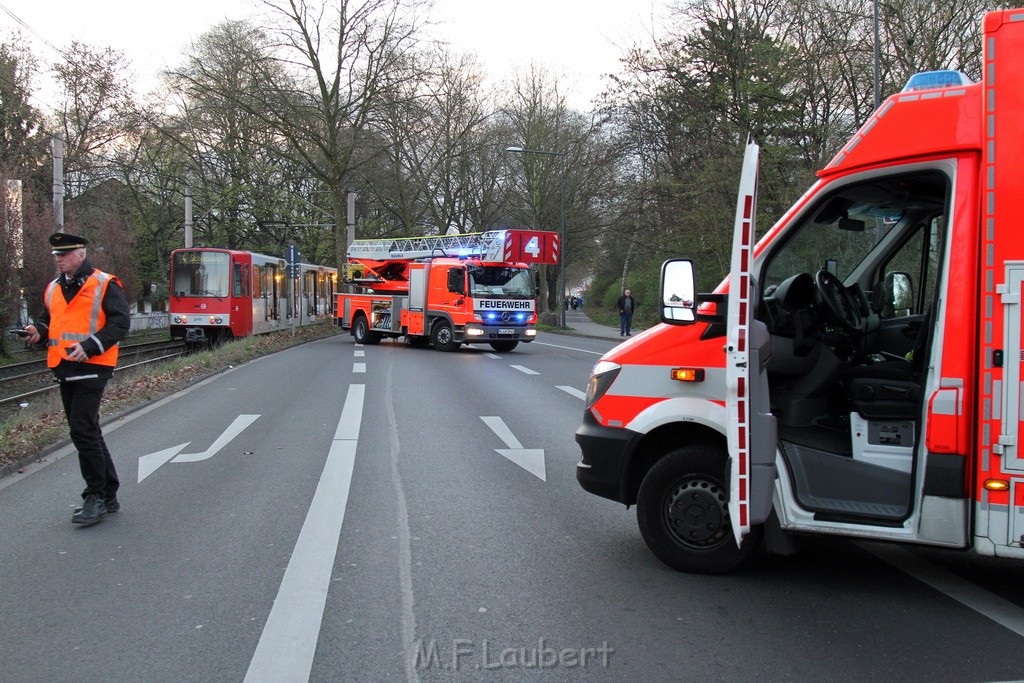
(627,306)
(85,316)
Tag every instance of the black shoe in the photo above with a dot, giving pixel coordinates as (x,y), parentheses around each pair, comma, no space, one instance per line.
(112,505)
(93,511)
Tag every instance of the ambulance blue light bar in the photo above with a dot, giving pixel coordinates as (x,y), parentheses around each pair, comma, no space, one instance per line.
(928,80)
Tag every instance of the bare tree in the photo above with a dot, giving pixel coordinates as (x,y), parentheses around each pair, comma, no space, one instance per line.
(96,113)
(434,129)
(347,58)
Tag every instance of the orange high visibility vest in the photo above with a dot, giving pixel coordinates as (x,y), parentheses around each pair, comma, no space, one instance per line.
(79,319)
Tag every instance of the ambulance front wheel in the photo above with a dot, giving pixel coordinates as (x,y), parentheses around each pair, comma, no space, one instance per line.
(682,510)
(443,338)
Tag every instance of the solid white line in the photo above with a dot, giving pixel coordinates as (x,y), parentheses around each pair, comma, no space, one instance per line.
(359,367)
(288,642)
(527,371)
(502,431)
(987,604)
(573,391)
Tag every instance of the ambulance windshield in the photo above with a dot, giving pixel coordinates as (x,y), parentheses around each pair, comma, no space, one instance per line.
(500,282)
(852,226)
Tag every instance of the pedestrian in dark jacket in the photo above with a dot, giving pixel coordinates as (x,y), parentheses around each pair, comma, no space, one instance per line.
(627,306)
(85,316)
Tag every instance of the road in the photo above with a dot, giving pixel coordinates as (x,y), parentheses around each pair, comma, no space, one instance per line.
(337,512)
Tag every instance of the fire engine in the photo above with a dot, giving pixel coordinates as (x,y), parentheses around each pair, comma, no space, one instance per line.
(445,290)
(859,372)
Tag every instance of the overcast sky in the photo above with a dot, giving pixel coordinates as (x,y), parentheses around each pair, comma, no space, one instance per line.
(578,40)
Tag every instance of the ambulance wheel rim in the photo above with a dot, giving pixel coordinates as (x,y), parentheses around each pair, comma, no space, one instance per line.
(696,514)
(444,335)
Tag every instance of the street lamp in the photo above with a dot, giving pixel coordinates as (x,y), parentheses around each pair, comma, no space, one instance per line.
(561,223)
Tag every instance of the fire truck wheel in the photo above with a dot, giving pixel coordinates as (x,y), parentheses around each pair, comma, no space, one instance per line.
(361,332)
(443,338)
(682,510)
(505,345)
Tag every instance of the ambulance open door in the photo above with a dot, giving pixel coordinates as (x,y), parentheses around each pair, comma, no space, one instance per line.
(751,427)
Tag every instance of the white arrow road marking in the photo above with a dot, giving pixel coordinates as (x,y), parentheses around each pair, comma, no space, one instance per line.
(573,391)
(233,430)
(530,459)
(148,464)
(527,371)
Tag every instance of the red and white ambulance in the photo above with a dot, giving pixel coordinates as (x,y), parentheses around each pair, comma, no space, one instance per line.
(859,373)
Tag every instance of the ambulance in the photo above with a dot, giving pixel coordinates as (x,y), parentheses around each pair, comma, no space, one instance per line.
(858,373)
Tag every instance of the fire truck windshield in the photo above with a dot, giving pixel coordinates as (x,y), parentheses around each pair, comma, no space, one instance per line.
(500,282)
(200,273)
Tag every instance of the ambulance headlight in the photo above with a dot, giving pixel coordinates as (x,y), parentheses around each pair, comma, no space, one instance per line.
(601,380)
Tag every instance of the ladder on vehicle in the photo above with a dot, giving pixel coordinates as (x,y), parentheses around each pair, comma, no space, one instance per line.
(488,246)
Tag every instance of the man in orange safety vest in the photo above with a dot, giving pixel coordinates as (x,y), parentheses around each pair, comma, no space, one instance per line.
(85,316)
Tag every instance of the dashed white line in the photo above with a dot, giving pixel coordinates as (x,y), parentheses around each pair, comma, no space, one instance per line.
(359,367)
(524,370)
(360,354)
(573,391)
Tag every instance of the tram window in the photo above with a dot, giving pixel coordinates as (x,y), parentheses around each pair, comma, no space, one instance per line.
(201,273)
(257,282)
(237,281)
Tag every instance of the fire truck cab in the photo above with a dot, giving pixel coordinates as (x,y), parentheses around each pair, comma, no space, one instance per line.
(858,373)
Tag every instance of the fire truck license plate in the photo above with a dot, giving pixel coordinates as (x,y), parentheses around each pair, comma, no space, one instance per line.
(506,330)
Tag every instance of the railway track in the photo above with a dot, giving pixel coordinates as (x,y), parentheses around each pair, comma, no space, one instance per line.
(25,382)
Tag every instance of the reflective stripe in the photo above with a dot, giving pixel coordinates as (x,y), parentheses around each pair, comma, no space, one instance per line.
(94,316)
(71,336)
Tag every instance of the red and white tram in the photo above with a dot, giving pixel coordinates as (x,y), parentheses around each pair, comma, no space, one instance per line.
(219,294)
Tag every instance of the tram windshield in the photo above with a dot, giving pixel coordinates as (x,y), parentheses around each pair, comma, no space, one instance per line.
(201,273)
(500,282)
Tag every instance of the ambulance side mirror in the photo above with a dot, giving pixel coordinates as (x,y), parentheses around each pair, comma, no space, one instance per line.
(677,293)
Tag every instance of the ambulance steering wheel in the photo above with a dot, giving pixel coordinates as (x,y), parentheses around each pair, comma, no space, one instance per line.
(840,305)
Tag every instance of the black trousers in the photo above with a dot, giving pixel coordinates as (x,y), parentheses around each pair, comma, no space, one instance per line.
(81,398)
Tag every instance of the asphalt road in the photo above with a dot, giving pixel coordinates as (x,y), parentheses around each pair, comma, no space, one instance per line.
(344,513)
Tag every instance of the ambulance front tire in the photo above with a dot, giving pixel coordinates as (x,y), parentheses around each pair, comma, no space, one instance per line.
(682,511)
(361,332)
(443,338)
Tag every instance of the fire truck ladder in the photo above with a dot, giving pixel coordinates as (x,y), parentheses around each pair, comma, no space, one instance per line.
(488,246)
